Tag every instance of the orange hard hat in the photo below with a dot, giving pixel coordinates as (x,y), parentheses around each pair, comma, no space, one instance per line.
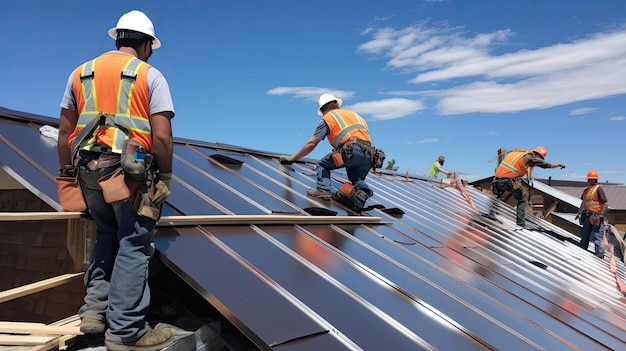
(541,151)
(593,175)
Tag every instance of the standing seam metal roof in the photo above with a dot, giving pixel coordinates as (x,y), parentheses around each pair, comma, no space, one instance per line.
(441,276)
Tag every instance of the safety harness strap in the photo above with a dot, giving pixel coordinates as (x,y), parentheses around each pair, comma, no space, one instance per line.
(122,120)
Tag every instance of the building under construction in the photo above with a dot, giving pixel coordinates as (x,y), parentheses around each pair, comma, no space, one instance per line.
(246,261)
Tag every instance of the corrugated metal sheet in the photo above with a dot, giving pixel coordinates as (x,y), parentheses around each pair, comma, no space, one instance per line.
(442,276)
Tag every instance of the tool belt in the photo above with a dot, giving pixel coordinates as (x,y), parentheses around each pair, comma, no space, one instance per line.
(514,183)
(95,160)
(376,156)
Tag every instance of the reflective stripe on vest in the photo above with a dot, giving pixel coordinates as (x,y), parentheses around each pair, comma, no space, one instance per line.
(591,200)
(512,166)
(122,121)
(345,125)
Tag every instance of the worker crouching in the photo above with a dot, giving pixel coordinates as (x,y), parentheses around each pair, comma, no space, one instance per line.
(348,134)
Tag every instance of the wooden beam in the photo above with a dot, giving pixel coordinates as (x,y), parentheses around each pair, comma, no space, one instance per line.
(550,209)
(38,216)
(25,340)
(265,219)
(21,291)
(37,328)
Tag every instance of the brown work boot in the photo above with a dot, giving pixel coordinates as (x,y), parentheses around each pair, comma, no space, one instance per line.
(91,326)
(152,340)
(319,193)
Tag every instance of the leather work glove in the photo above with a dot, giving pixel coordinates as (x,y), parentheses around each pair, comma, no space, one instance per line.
(162,189)
(287,160)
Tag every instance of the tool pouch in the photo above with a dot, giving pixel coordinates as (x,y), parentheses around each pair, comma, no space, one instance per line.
(594,219)
(146,208)
(133,160)
(337,158)
(516,183)
(378,158)
(70,195)
(114,187)
(346,189)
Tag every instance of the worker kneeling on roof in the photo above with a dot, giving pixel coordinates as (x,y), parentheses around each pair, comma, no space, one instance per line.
(348,134)
(515,165)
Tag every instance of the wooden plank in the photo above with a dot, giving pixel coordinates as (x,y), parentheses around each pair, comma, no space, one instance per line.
(71,321)
(265,219)
(21,291)
(37,328)
(61,342)
(24,340)
(38,216)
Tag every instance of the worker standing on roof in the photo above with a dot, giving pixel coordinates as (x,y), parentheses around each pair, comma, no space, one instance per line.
(592,210)
(132,102)
(515,165)
(348,134)
(436,168)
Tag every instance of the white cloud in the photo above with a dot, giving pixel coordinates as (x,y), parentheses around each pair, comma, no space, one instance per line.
(310,94)
(387,108)
(475,80)
(428,140)
(494,133)
(583,111)
(617,118)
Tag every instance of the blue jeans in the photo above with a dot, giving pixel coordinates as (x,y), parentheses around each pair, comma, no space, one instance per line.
(519,195)
(588,229)
(117,279)
(357,167)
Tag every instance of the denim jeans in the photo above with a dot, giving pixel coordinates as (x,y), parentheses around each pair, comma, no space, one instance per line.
(519,195)
(588,229)
(357,167)
(117,279)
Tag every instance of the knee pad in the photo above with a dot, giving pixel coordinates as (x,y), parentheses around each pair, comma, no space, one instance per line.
(358,199)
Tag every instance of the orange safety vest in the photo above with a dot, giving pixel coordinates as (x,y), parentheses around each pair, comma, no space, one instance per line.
(591,200)
(513,165)
(345,125)
(114,84)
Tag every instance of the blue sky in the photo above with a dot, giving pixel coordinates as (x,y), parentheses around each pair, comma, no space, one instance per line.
(453,78)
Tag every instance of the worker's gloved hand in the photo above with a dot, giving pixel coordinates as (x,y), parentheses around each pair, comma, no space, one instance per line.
(560,165)
(162,189)
(287,160)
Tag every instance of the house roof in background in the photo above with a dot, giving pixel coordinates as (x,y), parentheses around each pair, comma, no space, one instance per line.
(443,275)
(616,194)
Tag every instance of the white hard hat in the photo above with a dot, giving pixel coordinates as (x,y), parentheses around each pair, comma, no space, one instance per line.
(326,98)
(136,21)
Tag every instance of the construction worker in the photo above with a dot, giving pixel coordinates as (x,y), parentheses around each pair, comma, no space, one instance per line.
(591,213)
(347,133)
(515,165)
(132,102)
(436,168)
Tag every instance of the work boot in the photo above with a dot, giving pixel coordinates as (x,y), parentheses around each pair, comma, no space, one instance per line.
(152,340)
(91,326)
(319,193)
